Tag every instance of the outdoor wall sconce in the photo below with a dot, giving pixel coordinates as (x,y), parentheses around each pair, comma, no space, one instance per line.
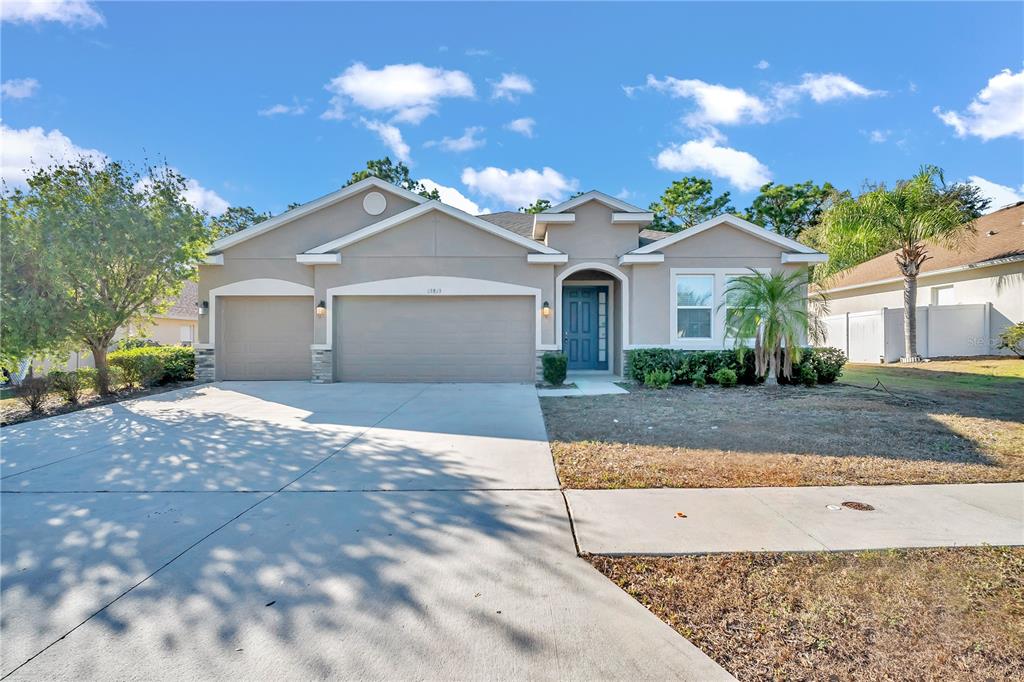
(545,309)
(321,309)
(204,307)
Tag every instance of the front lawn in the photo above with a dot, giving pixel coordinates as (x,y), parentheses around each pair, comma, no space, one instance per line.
(939,422)
(925,614)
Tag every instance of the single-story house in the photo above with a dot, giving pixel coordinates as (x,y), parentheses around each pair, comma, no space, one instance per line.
(965,296)
(376,283)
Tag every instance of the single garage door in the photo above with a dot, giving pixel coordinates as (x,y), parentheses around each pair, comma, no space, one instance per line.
(264,337)
(444,338)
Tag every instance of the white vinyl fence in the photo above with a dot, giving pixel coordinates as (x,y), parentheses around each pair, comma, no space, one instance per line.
(942,331)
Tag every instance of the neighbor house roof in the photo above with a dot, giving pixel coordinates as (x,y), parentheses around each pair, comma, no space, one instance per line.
(185,306)
(1000,237)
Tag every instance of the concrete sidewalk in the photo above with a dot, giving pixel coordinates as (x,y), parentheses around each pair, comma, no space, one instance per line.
(796,519)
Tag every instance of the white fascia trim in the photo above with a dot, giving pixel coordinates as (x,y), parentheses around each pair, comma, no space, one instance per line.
(430,285)
(559,218)
(261,286)
(594,195)
(631,218)
(805,258)
(641,258)
(415,212)
(216,259)
(933,273)
(603,267)
(310,207)
(732,221)
(547,258)
(318,258)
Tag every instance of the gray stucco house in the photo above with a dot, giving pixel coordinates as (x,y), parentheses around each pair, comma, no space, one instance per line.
(376,283)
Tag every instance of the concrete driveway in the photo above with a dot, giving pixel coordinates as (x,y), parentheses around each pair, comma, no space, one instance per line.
(290,530)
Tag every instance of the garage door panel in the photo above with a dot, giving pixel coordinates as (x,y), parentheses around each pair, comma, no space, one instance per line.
(264,337)
(456,338)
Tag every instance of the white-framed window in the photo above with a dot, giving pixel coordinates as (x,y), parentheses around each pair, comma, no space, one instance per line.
(185,335)
(695,306)
(943,295)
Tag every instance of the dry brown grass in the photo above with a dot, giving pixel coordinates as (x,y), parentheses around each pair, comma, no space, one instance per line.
(933,614)
(931,428)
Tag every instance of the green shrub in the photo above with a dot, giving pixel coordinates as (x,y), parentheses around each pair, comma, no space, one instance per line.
(150,365)
(69,385)
(828,363)
(725,377)
(808,376)
(555,366)
(700,379)
(32,392)
(1012,339)
(136,342)
(658,378)
(644,360)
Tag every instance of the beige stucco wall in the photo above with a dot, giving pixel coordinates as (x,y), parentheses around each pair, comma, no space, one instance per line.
(592,235)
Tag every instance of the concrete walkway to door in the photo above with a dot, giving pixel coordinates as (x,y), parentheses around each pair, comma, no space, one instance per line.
(296,531)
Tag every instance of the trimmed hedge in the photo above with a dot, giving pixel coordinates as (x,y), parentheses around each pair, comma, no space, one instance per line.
(699,367)
(555,366)
(151,365)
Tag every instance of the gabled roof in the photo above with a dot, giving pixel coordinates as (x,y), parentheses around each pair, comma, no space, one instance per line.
(1000,239)
(732,221)
(516,221)
(310,207)
(594,195)
(432,205)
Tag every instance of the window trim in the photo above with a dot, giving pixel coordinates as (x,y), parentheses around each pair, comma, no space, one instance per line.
(718,338)
(710,307)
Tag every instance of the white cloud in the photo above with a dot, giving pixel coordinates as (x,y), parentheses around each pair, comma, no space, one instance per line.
(717,104)
(519,187)
(707,154)
(996,111)
(624,194)
(410,92)
(877,136)
(523,126)
(825,87)
(391,137)
(69,12)
(1001,195)
(511,86)
(23,150)
(19,88)
(454,197)
(293,109)
(467,142)
(762,65)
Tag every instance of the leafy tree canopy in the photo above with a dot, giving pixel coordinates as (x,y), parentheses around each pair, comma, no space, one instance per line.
(235,219)
(91,247)
(538,206)
(397,174)
(686,203)
(790,209)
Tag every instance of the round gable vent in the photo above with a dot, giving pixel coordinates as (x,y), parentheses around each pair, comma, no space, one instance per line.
(374,203)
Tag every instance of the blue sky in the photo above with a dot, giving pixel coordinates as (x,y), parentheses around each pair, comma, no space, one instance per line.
(263,104)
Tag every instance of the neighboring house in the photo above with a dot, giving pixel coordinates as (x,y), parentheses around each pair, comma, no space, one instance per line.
(375,283)
(965,297)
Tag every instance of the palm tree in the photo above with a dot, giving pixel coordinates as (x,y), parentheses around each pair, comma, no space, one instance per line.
(775,311)
(905,219)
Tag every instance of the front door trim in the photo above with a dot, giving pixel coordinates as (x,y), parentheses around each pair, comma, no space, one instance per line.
(609,287)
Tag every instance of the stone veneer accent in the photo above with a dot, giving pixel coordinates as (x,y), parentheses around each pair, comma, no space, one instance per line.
(206,370)
(323,366)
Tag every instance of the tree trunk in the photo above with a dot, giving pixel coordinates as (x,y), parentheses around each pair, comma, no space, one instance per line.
(910,317)
(772,379)
(99,356)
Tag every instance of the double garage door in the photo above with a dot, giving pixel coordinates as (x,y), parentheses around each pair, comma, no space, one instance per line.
(382,338)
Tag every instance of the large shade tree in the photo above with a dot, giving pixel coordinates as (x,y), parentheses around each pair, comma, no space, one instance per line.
(775,311)
(908,219)
(397,174)
(790,209)
(91,247)
(688,202)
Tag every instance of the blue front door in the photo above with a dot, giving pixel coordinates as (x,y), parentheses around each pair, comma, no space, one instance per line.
(582,320)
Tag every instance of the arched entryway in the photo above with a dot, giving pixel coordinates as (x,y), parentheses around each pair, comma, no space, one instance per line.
(592,325)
